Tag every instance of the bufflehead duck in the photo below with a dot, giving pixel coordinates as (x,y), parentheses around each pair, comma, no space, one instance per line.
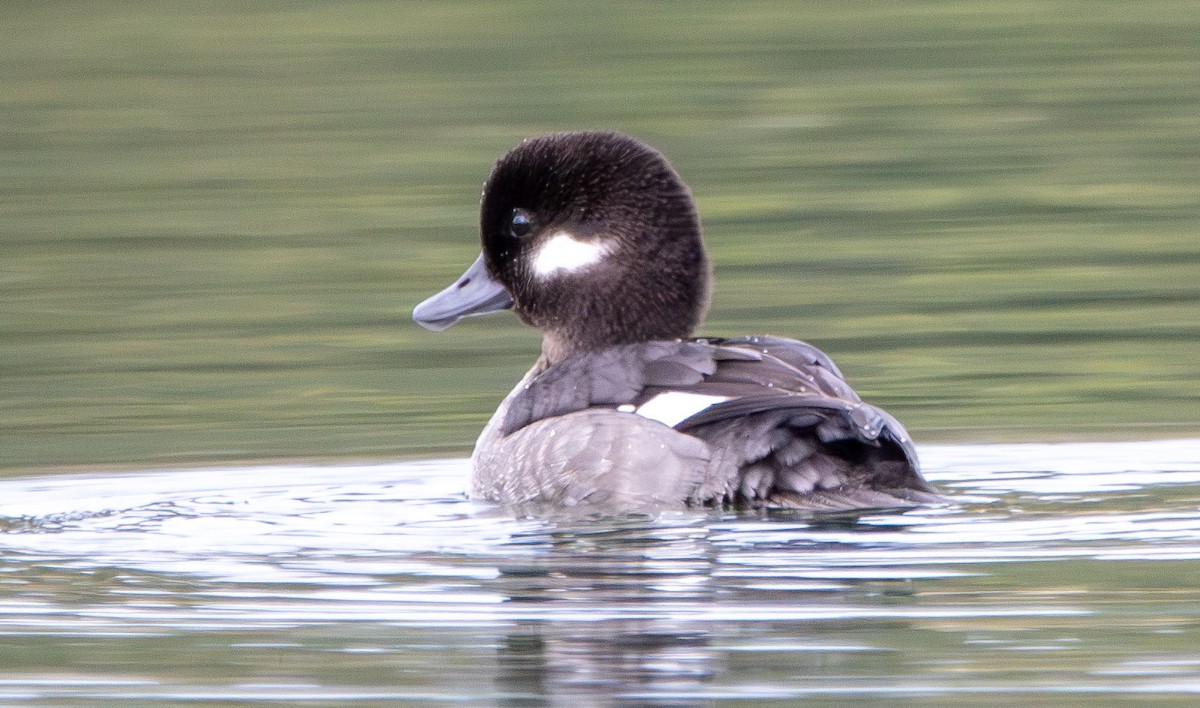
(593,238)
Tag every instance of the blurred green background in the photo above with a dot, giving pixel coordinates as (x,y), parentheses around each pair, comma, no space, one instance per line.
(215,218)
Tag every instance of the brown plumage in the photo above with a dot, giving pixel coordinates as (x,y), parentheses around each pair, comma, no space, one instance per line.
(592,238)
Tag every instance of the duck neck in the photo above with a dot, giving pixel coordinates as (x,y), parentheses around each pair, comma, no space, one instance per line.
(557,348)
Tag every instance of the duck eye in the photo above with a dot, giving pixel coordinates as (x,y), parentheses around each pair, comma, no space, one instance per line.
(521,224)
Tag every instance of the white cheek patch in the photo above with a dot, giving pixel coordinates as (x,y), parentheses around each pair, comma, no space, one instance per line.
(674,407)
(562,252)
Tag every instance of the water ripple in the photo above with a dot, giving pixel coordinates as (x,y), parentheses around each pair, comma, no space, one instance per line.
(1074,559)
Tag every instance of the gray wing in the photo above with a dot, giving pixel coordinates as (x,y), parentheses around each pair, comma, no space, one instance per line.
(614,376)
(790,433)
(799,436)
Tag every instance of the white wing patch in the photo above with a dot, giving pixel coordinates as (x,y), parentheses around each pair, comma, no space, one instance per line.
(674,407)
(563,252)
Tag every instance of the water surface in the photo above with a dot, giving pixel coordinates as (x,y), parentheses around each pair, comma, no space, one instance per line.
(215,219)
(1062,574)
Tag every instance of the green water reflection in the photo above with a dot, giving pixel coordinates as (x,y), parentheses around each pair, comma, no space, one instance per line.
(216,218)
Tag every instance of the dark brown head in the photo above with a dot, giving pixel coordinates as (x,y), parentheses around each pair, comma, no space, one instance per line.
(592,238)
